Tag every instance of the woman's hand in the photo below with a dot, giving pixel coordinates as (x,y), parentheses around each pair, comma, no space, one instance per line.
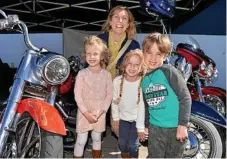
(90,117)
(182,133)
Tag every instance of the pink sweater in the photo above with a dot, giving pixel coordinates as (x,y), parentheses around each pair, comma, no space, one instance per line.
(93,92)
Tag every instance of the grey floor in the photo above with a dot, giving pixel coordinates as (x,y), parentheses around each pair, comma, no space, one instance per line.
(109,147)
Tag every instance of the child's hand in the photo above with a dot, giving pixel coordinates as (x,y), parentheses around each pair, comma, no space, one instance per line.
(141,136)
(115,127)
(101,113)
(182,133)
(97,113)
(146,133)
(90,117)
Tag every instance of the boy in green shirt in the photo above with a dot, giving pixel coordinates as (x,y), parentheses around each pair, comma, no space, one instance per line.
(167,101)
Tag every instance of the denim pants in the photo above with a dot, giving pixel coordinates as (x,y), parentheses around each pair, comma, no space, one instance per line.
(162,143)
(128,139)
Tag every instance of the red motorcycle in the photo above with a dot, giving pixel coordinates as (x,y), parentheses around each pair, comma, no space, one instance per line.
(203,72)
(31,125)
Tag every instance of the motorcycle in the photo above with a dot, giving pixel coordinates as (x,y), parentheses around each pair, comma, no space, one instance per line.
(191,61)
(204,141)
(203,72)
(31,126)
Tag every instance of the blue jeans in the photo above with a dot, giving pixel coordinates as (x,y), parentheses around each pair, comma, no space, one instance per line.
(128,140)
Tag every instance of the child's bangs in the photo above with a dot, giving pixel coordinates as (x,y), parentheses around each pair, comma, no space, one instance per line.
(164,47)
(127,57)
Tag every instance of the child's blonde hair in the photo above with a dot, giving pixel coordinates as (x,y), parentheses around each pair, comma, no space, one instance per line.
(94,40)
(163,42)
(142,72)
(131,30)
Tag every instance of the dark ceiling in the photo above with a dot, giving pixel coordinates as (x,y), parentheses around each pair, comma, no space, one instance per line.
(53,15)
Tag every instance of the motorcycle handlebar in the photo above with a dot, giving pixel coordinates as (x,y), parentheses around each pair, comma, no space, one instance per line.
(3,14)
(10,21)
(26,37)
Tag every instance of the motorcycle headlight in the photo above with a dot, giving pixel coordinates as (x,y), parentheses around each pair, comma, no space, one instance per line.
(209,70)
(215,73)
(202,66)
(188,71)
(55,70)
(181,62)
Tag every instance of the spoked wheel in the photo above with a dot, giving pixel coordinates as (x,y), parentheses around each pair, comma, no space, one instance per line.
(220,105)
(30,141)
(204,140)
(28,138)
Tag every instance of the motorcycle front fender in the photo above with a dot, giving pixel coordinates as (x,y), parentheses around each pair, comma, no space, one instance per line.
(45,115)
(213,91)
(208,113)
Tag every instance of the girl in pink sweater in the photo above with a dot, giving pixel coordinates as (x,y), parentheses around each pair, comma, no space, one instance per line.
(93,94)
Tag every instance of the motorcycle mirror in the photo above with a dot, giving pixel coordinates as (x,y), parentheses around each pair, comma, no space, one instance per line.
(3,13)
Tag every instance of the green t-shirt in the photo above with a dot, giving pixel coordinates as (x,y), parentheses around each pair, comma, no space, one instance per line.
(166,97)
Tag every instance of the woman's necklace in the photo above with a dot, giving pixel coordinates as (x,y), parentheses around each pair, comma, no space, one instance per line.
(115,42)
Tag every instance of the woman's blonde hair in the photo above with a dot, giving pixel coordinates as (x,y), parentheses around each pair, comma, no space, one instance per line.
(131,30)
(142,72)
(94,40)
(163,43)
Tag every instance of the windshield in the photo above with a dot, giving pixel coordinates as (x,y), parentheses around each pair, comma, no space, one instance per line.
(191,41)
(172,2)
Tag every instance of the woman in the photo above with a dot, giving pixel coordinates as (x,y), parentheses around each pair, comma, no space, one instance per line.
(119,32)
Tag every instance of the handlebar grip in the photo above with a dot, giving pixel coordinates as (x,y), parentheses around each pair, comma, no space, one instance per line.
(3,24)
(9,22)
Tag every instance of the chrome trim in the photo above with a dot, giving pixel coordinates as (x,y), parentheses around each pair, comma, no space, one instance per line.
(10,112)
(52,96)
(26,37)
(213,122)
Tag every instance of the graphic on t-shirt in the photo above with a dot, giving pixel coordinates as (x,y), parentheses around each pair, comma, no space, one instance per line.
(155,94)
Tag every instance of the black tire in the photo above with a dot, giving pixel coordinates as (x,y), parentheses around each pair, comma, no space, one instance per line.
(33,142)
(222,133)
(51,145)
(213,100)
(209,133)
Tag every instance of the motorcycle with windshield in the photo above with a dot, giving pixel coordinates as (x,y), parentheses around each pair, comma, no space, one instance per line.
(204,141)
(31,126)
(204,71)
